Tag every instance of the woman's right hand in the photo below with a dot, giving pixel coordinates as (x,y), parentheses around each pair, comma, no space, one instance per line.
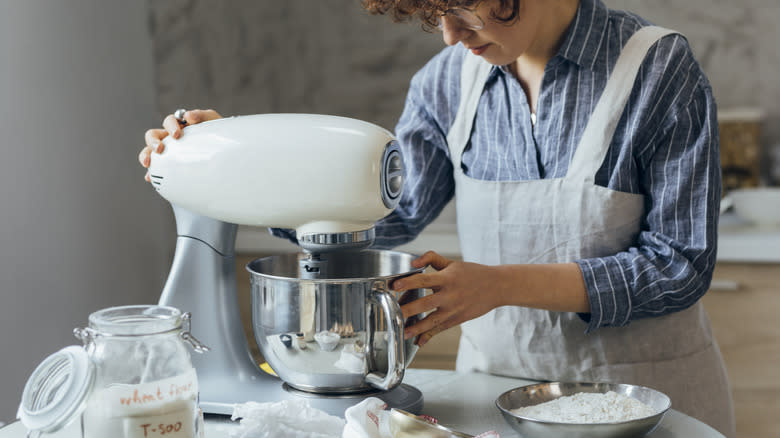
(171,126)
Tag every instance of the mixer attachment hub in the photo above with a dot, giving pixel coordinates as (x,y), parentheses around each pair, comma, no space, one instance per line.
(328,242)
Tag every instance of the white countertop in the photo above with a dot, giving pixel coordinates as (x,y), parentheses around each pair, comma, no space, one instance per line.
(739,241)
(464,402)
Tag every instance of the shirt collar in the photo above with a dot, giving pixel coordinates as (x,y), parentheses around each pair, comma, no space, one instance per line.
(584,40)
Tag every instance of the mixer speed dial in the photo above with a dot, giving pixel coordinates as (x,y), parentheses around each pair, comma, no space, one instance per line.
(392,175)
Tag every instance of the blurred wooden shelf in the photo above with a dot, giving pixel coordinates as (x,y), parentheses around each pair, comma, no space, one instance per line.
(743,321)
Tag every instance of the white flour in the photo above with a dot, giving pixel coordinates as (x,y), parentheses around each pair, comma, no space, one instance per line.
(165,408)
(588,408)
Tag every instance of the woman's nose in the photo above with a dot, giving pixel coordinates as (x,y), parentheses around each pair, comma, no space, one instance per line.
(452,30)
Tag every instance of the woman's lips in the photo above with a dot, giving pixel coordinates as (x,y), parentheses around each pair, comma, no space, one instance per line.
(479,50)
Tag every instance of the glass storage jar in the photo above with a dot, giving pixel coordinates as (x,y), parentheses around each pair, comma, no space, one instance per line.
(132,378)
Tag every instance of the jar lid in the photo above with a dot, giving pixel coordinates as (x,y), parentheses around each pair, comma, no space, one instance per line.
(57,390)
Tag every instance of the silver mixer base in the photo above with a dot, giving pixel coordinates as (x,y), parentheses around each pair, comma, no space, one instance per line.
(404,397)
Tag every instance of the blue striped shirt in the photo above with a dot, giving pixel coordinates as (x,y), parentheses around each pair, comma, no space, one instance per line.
(665,147)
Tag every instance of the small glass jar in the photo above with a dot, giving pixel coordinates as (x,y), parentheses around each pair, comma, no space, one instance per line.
(132,378)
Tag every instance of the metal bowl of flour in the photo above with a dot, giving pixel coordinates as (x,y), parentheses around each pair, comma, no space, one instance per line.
(544,392)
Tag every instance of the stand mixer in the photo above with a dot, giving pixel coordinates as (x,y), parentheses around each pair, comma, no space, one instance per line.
(329,178)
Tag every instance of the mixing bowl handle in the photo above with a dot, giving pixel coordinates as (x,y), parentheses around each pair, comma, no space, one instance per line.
(395,343)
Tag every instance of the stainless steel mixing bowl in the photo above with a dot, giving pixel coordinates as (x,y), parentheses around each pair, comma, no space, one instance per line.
(294,307)
(543,392)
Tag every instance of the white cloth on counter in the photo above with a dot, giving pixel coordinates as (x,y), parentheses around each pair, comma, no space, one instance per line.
(371,419)
(296,419)
(367,419)
(286,418)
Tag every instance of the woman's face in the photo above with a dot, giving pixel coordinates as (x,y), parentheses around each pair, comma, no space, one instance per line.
(501,43)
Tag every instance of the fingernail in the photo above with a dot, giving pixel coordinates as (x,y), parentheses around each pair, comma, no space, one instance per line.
(398,285)
(156,146)
(407,334)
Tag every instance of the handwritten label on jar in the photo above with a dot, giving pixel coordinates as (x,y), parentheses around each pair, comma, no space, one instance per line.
(174,425)
(147,395)
(164,408)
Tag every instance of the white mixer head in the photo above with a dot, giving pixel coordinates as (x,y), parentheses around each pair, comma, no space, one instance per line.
(330,178)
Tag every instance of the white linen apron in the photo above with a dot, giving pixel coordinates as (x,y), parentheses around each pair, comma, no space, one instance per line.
(562,220)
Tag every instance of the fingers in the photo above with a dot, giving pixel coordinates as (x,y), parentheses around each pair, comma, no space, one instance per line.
(192,117)
(145,157)
(420,305)
(417,281)
(153,139)
(428,327)
(434,319)
(198,116)
(423,338)
(433,259)
(433,280)
(172,126)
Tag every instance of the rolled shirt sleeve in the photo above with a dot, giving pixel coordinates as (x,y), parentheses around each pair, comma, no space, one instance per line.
(671,265)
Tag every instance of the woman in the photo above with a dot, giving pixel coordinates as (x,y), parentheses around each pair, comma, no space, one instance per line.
(586,188)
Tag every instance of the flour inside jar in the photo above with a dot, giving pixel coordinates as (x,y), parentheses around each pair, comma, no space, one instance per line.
(165,407)
(583,407)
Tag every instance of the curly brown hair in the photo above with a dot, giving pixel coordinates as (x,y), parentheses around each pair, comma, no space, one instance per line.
(429,11)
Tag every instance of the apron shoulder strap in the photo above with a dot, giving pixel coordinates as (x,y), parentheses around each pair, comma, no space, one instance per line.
(474,73)
(597,137)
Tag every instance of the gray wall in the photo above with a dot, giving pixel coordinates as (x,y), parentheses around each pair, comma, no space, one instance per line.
(79,228)
(249,56)
(736,43)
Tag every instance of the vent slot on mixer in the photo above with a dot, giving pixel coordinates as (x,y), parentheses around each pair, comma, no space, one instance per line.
(157,180)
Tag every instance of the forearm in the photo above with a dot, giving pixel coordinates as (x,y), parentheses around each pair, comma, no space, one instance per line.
(557,287)
(464,291)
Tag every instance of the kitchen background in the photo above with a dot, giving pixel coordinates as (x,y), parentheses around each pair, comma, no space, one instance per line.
(80,81)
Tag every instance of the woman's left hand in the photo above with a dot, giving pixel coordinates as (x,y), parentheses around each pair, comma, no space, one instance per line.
(462,291)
